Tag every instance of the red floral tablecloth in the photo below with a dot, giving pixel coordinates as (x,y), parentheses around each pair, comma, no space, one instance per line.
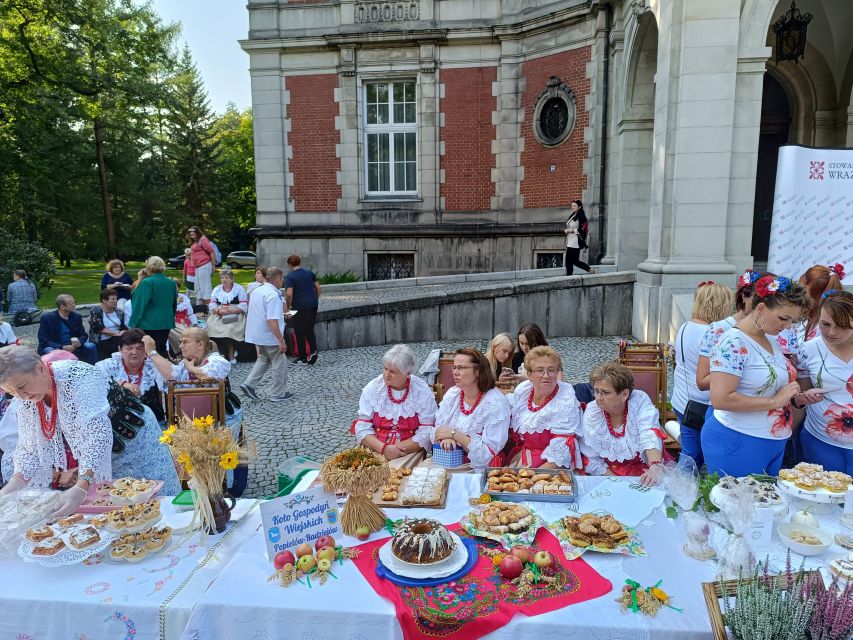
(481,602)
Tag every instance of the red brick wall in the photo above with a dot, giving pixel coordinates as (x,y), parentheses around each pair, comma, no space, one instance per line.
(313,137)
(467,134)
(540,187)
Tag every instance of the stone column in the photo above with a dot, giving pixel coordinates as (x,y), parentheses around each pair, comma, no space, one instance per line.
(693,145)
(507,147)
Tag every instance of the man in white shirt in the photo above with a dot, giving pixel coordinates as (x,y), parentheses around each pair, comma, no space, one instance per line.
(265,329)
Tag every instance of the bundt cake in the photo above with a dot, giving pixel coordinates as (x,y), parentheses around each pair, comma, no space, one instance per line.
(422,541)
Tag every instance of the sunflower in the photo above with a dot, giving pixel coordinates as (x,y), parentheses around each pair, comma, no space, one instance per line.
(228,460)
(185,460)
(166,437)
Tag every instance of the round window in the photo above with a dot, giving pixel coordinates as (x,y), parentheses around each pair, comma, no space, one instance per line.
(554,115)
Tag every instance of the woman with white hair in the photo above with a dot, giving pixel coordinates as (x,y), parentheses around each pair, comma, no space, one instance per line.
(396,411)
(154,302)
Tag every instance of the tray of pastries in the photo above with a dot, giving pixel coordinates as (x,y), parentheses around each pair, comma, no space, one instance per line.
(596,532)
(766,494)
(809,481)
(133,518)
(65,541)
(509,523)
(418,487)
(522,485)
(134,547)
(108,496)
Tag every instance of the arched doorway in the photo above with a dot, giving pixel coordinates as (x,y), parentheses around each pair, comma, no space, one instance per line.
(775,128)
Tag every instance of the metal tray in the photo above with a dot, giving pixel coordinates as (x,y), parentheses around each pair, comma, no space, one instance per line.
(531,497)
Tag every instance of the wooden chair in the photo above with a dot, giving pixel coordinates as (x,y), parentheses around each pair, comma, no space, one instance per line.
(444,379)
(195,399)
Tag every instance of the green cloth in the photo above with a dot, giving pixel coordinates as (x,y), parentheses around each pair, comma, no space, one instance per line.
(153,303)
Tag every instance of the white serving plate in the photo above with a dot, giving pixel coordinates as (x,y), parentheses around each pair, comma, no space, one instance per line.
(446,567)
(821,495)
(718,499)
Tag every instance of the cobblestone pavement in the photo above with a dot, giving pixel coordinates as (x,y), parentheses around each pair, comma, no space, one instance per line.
(316,421)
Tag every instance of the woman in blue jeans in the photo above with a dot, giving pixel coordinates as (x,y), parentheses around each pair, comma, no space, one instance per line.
(753,384)
(712,302)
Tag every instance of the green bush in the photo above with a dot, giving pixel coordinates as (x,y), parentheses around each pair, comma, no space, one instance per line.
(16,253)
(336,277)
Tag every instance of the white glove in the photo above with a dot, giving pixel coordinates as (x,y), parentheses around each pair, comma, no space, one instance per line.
(68,503)
(16,483)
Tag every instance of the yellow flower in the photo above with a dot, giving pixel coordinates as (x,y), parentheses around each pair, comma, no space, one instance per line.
(660,594)
(228,460)
(485,498)
(215,442)
(166,438)
(208,421)
(198,423)
(498,558)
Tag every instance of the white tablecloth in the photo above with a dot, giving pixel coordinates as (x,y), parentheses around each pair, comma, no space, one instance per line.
(101,600)
(241,605)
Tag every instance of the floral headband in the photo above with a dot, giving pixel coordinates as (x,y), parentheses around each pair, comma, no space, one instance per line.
(828,293)
(838,270)
(749,277)
(705,283)
(768,285)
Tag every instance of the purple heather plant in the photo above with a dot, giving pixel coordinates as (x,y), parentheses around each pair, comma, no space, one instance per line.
(832,618)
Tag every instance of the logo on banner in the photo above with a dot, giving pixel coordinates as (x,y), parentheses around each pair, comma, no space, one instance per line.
(816,170)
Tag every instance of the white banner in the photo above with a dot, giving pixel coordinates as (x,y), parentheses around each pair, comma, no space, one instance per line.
(812,211)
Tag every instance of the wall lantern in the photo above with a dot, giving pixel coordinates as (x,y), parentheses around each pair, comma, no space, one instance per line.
(790,32)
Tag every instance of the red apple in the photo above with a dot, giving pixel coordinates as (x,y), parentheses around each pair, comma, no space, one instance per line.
(329,553)
(304,549)
(510,567)
(282,558)
(324,541)
(362,533)
(306,563)
(520,552)
(543,559)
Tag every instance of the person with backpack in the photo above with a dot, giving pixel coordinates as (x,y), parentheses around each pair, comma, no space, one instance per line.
(22,296)
(205,256)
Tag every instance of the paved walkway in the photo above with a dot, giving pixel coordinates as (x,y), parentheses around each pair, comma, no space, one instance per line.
(316,421)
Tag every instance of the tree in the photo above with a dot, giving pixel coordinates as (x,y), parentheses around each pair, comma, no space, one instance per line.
(237,172)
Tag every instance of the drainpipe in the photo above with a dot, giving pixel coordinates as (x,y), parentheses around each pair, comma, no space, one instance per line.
(602,184)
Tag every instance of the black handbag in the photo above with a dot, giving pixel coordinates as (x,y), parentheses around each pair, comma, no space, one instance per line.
(694,412)
(126,416)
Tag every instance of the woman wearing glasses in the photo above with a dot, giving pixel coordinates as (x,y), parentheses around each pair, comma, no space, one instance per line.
(621,433)
(473,415)
(545,416)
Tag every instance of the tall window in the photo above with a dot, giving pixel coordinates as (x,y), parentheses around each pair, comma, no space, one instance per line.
(391,137)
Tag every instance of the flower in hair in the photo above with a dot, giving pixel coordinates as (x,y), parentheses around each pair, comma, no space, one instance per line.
(749,277)
(828,293)
(838,270)
(705,283)
(768,285)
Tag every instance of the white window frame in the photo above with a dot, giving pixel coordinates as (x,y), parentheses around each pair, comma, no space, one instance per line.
(390,129)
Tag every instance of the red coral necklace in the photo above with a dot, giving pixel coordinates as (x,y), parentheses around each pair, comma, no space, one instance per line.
(48,427)
(405,395)
(130,375)
(613,432)
(533,407)
(468,412)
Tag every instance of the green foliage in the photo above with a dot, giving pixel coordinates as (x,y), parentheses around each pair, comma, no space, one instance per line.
(17,253)
(706,483)
(335,277)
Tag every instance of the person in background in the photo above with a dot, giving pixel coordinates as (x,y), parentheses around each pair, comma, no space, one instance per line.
(473,414)
(530,336)
(63,329)
(155,300)
(226,321)
(7,336)
(106,323)
(189,272)
(621,432)
(826,368)
(131,369)
(712,303)
(577,228)
(21,295)
(499,354)
(265,330)
(204,261)
(115,279)
(818,280)
(396,411)
(302,294)
(128,305)
(753,384)
(260,278)
(184,319)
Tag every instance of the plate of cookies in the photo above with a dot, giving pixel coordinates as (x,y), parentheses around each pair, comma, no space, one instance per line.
(809,481)
(597,531)
(65,541)
(107,496)
(418,487)
(508,523)
(134,547)
(521,485)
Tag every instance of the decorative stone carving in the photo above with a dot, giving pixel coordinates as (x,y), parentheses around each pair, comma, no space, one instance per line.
(639,7)
(555,114)
(367,11)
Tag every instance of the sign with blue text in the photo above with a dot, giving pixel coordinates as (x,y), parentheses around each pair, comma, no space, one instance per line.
(299,518)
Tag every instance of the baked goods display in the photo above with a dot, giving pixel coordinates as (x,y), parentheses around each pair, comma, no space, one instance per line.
(84,537)
(503,517)
(418,487)
(812,477)
(422,541)
(49,547)
(19,511)
(765,493)
(530,481)
(842,567)
(133,518)
(133,547)
(600,532)
(65,541)
(107,496)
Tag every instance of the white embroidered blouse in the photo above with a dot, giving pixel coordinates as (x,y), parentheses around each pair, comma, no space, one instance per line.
(487,425)
(420,402)
(214,366)
(561,416)
(113,367)
(81,399)
(599,445)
